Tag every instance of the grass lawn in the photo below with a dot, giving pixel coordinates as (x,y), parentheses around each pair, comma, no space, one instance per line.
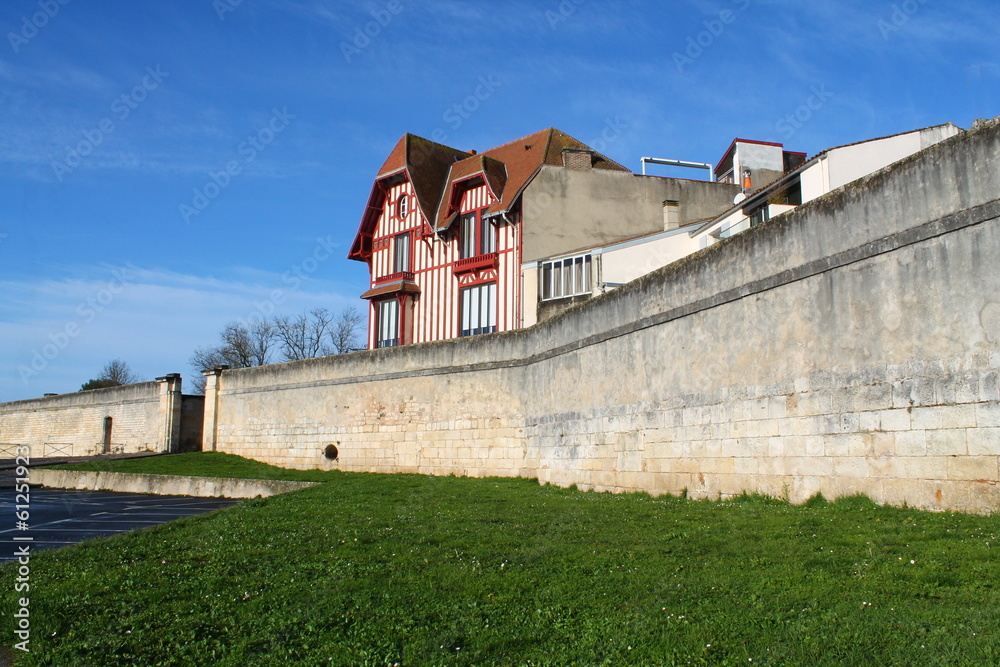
(411,570)
(199,464)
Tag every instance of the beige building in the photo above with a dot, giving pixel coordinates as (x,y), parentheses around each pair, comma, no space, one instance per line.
(622,261)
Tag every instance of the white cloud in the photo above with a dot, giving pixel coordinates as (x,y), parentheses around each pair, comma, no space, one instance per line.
(57,334)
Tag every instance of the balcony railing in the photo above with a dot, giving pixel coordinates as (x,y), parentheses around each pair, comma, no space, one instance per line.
(477,263)
(393,277)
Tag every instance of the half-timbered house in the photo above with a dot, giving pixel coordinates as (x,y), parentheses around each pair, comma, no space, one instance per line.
(448,234)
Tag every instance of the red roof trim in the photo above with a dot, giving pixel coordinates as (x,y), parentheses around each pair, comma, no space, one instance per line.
(732,147)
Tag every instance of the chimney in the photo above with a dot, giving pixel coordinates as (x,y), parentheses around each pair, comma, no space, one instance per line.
(580,159)
(671,214)
(747,182)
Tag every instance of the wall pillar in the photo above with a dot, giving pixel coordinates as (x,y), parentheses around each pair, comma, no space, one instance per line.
(213,381)
(170,412)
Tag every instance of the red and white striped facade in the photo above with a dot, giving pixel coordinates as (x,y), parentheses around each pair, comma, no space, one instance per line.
(434,310)
(443,235)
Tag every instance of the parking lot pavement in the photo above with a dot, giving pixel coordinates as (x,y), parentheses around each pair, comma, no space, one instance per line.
(60,517)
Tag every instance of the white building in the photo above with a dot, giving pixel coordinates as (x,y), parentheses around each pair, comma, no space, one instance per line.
(615,264)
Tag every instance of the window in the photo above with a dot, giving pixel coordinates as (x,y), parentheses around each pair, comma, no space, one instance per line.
(478,235)
(402,206)
(468,232)
(566,277)
(479,309)
(388,323)
(401,253)
(760,216)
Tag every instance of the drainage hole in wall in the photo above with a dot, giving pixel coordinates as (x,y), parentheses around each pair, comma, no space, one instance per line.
(331,452)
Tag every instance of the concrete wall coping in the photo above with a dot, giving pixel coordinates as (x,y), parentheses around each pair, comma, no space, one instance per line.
(164,485)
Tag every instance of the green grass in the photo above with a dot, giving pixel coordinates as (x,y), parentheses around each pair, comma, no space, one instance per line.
(412,570)
(199,464)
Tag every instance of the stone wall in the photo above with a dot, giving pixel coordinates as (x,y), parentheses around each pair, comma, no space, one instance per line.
(850,346)
(144,417)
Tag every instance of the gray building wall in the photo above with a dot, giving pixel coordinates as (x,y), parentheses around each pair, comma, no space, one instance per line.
(595,207)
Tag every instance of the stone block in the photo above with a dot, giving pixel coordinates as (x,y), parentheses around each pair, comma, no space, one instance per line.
(874,397)
(983,441)
(837,445)
(844,399)
(904,393)
(944,417)
(894,420)
(974,468)
(777,407)
(882,444)
(911,443)
(854,466)
(926,467)
(775,446)
(829,423)
(988,414)
(868,422)
(815,445)
(886,467)
(818,466)
(946,442)
(967,387)
(984,498)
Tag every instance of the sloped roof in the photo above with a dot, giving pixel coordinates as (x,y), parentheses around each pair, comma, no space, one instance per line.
(521,160)
(421,161)
(435,170)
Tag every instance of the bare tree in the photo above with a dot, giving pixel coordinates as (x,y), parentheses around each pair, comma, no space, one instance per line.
(118,371)
(302,337)
(249,344)
(346,331)
(312,334)
(243,345)
(115,373)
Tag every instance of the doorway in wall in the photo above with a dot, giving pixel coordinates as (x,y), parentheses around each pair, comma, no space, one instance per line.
(107,435)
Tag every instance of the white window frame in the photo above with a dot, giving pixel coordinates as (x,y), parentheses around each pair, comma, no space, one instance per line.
(387,320)
(567,277)
(401,253)
(477,234)
(478,309)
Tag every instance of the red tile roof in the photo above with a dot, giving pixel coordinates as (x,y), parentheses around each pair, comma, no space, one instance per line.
(435,170)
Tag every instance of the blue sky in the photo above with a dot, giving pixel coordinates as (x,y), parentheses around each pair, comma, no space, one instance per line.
(169,167)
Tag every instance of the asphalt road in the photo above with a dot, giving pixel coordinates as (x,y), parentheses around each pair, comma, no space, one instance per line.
(60,517)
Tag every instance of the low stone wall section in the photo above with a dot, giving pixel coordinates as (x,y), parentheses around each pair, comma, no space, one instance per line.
(164,485)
